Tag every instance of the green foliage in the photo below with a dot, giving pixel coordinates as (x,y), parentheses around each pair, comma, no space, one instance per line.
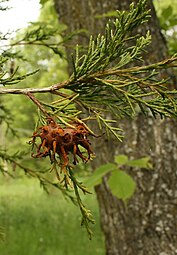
(101,88)
(96,177)
(121,159)
(12,79)
(142,162)
(16,114)
(167,11)
(120,183)
(112,46)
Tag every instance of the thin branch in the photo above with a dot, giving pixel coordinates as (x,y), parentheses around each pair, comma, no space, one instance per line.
(171,62)
(26,91)
(38,104)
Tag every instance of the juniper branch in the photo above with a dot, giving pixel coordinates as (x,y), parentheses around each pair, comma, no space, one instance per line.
(98,87)
(25,91)
(121,87)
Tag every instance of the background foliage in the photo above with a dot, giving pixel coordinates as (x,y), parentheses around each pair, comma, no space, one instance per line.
(167,13)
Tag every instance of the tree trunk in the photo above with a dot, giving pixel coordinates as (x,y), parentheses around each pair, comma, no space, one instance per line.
(148,222)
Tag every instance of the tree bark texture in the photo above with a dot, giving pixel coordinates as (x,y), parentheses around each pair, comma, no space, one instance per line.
(147,225)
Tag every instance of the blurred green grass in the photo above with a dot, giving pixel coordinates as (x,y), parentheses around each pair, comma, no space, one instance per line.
(35,223)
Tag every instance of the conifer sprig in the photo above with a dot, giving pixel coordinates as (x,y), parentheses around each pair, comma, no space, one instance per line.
(112,45)
(102,80)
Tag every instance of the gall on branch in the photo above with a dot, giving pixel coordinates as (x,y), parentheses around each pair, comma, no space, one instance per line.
(57,143)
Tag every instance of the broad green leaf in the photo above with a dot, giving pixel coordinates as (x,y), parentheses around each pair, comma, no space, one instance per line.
(121,159)
(121,184)
(141,163)
(96,177)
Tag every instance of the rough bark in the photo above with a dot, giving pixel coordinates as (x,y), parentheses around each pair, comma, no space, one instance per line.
(148,223)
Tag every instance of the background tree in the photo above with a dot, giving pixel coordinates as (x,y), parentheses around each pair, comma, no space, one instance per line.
(147,224)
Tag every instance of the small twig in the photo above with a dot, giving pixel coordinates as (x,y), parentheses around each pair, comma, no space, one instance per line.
(25,91)
(171,62)
(38,104)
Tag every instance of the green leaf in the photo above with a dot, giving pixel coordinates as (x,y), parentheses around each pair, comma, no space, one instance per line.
(121,184)
(121,159)
(96,177)
(141,163)
(167,12)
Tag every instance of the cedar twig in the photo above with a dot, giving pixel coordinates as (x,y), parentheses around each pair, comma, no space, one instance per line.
(171,62)
(25,91)
(32,97)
